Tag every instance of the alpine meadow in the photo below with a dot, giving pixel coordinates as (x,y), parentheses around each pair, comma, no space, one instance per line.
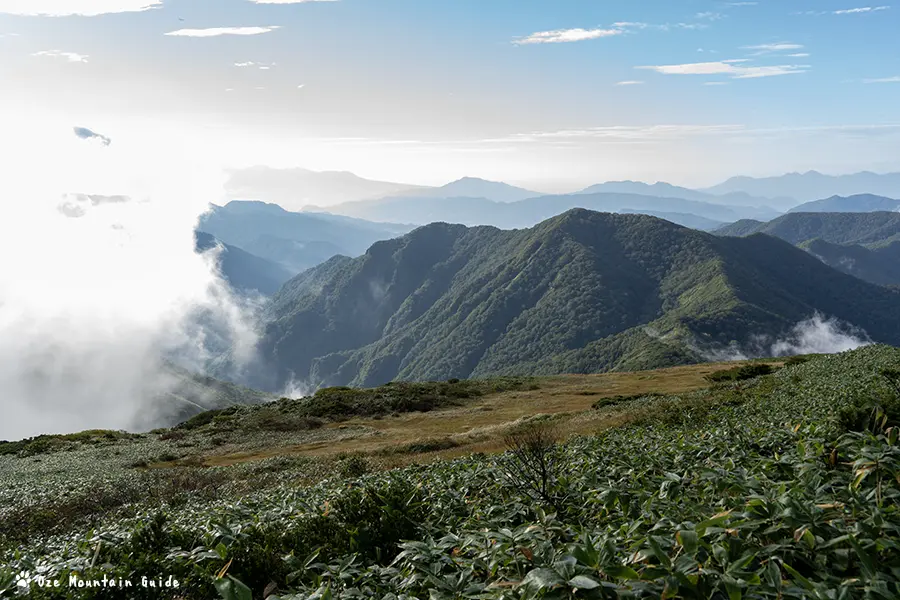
(449,300)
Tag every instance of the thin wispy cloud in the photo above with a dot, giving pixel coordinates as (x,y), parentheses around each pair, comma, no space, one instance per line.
(263,66)
(883,80)
(217,31)
(863,9)
(86,134)
(630,82)
(638,25)
(844,11)
(69,56)
(566,35)
(732,68)
(66,8)
(777,47)
(288,1)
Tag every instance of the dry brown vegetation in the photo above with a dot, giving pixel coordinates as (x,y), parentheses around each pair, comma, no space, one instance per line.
(479,425)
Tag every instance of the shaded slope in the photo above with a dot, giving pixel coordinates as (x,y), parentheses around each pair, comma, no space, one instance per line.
(244,271)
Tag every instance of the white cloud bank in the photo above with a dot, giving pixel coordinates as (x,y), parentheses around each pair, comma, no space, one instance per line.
(66,8)
(101,279)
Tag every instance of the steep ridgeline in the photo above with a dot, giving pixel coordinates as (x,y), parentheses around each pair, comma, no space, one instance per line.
(581,292)
(865,244)
(244,271)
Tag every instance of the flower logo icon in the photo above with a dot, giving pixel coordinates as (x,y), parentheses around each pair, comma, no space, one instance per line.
(23,579)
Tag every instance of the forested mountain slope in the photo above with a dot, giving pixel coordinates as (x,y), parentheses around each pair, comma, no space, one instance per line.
(581,292)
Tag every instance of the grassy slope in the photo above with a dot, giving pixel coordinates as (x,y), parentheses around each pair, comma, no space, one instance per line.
(748,479)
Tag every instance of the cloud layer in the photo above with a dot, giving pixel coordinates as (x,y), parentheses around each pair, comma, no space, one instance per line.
(65,8)
(92,305)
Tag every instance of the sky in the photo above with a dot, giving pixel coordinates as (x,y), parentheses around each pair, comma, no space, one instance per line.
(549,94)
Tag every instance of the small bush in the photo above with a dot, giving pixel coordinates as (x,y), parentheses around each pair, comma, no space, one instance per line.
(378,518)
(611,400)
(430,445)
(740,373)
(795,360)
(353,467)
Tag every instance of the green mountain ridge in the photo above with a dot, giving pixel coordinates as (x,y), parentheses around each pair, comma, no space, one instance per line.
(581,292)
(865,245)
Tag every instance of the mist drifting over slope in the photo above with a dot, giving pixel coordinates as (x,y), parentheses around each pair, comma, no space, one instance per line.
(816,335)
(100,281)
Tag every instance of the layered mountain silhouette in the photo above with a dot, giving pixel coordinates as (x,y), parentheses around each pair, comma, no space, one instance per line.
(667,190)
(473,187)
(294,240)
(296,188)
(812,185)
(422,210)
(581,292)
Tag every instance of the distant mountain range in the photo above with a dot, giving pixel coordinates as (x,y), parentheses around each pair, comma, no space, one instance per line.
(666,190)
(862,244)
(530,211)
(858,203)
(581,292)
(812,185)
(295,188)
(473,187)
(295,241)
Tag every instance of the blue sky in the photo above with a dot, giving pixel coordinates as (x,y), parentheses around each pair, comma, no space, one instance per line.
(552,93)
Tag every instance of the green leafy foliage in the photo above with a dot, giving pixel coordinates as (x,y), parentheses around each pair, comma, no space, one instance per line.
(762,495)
